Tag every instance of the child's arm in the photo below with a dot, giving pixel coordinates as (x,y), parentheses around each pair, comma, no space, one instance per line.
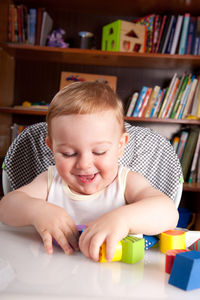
(148,211)
(28,206)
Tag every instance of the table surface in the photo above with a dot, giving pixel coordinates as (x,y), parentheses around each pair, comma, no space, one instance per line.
(27,272)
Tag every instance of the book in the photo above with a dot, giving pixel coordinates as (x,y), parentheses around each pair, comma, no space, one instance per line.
(182,143)
(196,46)
(47,25)
(184,98)
(156,29)
(171,100)
(155,104)
(178,100)
(151,101)
(196,101)
(192,176)
(190,98)
(191,35)
(145,102)
(189,151)
(160,33)
(164,33)
(175,143)
(171,37)
(139,101)
(132,104)
(148,21)
(40,11)
(160,102)
(176,34)
(165,102)
(172,18)
(32,26)
(184,34)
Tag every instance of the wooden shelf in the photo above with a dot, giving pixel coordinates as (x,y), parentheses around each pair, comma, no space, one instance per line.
(42,112)
(100,58)
(191,187)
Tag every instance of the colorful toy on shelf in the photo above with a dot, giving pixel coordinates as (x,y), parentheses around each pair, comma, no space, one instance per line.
(172,239)
(129,250)
(185,272)
(124,36)
(195,246)
(169,259)
(150,241)
(56,39)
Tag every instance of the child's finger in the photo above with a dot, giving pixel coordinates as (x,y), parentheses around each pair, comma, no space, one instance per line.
(72,239)
(47,241)
(111,243)
(63,242)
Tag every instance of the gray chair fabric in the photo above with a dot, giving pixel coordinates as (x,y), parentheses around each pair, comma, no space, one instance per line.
(147,153)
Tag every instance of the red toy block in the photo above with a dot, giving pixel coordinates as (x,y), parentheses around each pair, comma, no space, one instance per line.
(169,258)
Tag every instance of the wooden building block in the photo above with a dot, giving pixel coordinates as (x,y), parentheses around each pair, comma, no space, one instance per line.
(185,272)
(172,239)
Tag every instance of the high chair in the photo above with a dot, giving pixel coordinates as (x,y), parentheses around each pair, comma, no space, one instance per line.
(147,153)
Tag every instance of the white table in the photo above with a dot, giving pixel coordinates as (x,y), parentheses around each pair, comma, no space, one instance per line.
(32,274)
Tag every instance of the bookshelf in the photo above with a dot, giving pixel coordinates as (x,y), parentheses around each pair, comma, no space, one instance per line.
(31,73)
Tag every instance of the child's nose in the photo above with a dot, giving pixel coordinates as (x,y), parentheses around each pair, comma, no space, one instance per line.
(84,161)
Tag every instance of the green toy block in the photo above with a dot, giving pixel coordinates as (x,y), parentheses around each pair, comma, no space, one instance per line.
(111,36)
(132,249)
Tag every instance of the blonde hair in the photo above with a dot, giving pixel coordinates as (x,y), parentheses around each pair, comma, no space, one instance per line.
(85,97)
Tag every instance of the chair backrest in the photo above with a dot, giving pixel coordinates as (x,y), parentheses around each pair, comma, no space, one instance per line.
(147,153)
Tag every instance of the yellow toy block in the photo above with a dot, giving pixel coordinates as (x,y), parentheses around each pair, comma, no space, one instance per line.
(172,239)
(117,255)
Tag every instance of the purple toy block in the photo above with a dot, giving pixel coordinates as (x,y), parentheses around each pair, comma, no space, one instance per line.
(185,272)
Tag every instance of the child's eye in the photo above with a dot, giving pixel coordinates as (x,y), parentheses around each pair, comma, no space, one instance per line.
(99,153)
(68,154)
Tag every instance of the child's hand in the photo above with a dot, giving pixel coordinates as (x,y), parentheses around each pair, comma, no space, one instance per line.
(109,228)
(53,222)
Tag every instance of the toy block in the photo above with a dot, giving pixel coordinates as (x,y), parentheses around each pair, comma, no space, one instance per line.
(117,255)
(150,241)
(129,250)
(132,249)
(172,239)
(124,36)
(195,246)
(185,272)
(169,259)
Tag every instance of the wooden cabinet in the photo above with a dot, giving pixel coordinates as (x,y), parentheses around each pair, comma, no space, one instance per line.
(32,73)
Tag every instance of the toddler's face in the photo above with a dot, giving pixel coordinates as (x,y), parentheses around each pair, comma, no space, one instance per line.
(86,150)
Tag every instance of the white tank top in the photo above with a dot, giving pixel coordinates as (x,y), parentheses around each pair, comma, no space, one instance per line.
(86,208)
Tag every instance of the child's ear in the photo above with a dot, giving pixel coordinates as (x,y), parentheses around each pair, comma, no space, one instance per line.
(122,143)
(48,142)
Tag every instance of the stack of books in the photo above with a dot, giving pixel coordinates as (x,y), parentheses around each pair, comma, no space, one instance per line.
(31,26)
(172,34)
(187,146)
(179,100)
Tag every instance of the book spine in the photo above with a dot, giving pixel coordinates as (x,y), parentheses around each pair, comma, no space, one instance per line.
(153,110)
(152,99)
(145,102)
(172,18)
(182,143)
(171,99)
(195,160)
(139,102)
(189,151)
(184,33)
(161,32)
(191,35)
(32,26)
(185,99)
(190,98)
(132,104)
(171,37)
(176,105)
(176,34)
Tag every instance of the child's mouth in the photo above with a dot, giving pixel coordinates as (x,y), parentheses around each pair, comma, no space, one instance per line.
(87,178)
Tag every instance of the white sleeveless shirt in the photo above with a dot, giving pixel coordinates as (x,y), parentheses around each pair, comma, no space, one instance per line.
(86,208)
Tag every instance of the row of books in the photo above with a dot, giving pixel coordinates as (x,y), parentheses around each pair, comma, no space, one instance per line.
(172,34)
(28,25)
(187,147)
(179,100)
